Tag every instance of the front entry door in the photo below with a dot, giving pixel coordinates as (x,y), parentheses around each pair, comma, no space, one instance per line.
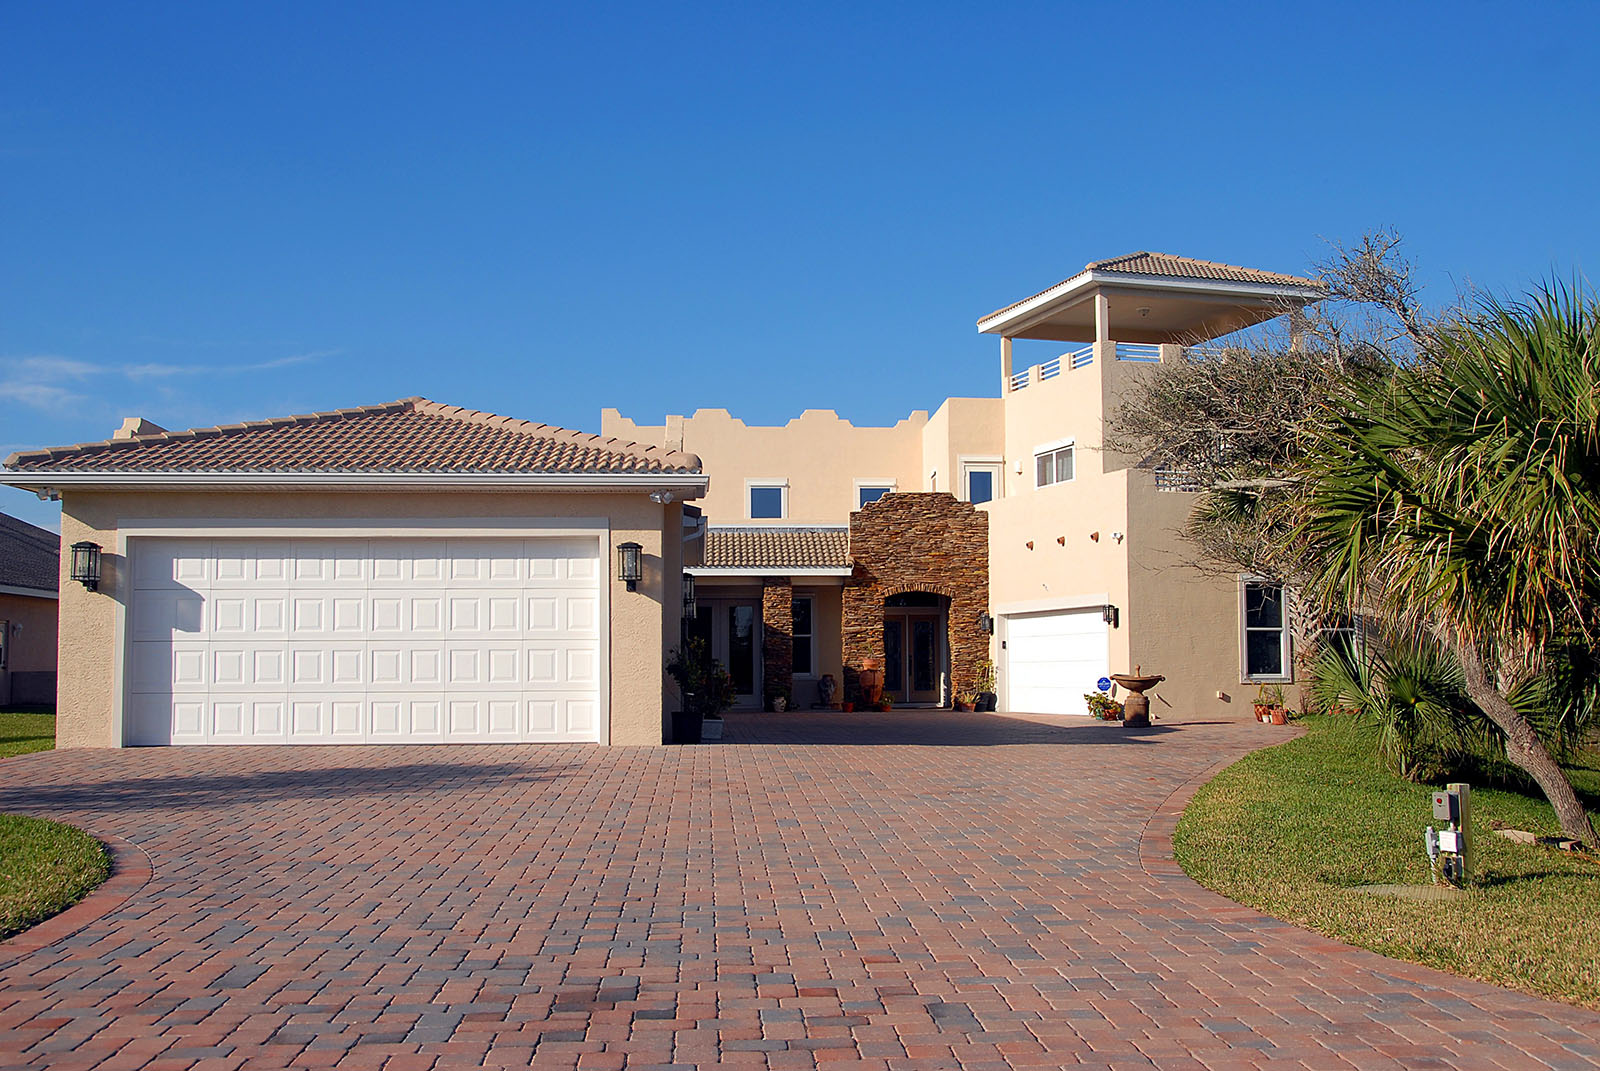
(911,656)
(734,630)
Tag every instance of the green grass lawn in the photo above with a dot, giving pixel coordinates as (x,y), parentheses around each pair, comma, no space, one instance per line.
(1290,830)
(23,730)
(45,867)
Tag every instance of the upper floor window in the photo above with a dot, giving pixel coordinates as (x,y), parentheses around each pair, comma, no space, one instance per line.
(980,479)
(872,490)
(1264,631)
(769,500)
(1053,464)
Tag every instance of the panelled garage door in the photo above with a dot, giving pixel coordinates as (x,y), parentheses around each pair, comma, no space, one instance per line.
(334,640)
(1053,660)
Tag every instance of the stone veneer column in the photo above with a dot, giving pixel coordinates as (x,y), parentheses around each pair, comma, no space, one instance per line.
(917,541)
(777,636)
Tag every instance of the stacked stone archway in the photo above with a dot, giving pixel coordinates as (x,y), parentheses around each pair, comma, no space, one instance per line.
(917,542)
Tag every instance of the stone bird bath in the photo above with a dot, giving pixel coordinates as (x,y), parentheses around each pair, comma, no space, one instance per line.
(1136,708)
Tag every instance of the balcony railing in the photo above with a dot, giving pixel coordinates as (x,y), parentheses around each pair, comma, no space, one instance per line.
(1083,357)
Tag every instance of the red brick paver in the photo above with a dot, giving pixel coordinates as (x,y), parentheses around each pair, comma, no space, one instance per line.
(912,890)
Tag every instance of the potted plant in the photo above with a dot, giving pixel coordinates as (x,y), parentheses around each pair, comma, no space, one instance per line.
(885,703)
(985,698)
(966,700)
(778,700)
(1277,713)
(1102,706)
(1263,706)
(848,707)
(707,691)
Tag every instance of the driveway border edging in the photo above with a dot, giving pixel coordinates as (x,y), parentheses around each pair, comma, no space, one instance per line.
(131,868)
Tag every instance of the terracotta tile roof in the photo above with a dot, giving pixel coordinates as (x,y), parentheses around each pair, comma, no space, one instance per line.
(1176,267)
(30,557)
(411,435)
(778,548)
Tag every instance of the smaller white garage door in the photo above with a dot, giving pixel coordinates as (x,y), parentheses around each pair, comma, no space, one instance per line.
(1053,660)
(277,640)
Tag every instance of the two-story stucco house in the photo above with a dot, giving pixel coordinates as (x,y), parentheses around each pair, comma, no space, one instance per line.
(416,572)
(997,528)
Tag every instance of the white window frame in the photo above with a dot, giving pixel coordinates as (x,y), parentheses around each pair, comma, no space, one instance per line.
(1286,646)
(781,483)
(860,485)
(995,466)
(1053,448)
(810,674)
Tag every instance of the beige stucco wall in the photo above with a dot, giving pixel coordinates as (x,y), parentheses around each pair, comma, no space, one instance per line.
(639,625)
(818,453)
(960,428)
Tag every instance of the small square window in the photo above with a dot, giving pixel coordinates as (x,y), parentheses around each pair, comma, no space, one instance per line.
(766,503)
(870,494)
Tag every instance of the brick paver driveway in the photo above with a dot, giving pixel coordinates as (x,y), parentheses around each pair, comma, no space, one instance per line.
(913,891)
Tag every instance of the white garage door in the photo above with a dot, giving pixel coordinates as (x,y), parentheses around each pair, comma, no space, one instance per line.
(333,641)
(1053,660)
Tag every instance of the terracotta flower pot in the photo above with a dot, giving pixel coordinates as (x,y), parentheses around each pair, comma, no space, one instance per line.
(848,707)
(1280,716)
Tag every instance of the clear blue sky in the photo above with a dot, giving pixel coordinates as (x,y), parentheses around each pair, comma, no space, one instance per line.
(211,213)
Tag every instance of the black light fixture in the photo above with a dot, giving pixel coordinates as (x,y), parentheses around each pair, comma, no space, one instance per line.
(689,607)
(985,622)
(86,564)
(1111,615)
(628,567)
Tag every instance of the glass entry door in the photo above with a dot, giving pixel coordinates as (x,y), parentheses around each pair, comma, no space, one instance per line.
(734,632)
(912,658)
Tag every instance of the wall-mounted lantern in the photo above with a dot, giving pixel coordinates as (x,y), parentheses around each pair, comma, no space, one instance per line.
(689,608)
(985,623)
(628,567)
(1111,615)
(86,564)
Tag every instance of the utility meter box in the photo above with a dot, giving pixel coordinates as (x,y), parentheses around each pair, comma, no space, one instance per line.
(1447,806)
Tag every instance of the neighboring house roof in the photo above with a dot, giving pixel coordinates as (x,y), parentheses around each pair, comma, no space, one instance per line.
(412,435)
(777,549)
(30,557)
(1169,265)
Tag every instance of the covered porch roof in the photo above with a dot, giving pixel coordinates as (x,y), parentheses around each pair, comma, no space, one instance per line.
(1153,298)
(775,550)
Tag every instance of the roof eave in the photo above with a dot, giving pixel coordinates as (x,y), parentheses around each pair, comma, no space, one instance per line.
(770,570)
(1042,304)
(27,592)
(686,485)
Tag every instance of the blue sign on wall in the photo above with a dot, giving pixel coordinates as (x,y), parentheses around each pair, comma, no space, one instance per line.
(1104,684)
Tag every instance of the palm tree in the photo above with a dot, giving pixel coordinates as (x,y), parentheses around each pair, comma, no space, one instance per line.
(1463,495)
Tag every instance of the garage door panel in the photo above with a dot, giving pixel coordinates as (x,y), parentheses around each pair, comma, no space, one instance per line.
(349,640)
(1053,659)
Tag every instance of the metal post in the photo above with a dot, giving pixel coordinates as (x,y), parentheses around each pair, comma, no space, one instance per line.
(1464,823)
